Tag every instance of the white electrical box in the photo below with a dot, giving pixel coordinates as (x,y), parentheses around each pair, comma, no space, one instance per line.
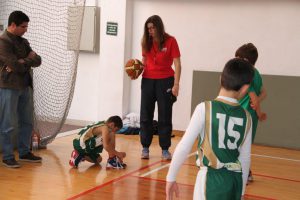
(90,28)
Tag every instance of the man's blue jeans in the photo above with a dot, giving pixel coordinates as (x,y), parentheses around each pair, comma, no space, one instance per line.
(16,114)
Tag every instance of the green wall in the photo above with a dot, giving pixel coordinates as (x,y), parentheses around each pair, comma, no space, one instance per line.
(282,105)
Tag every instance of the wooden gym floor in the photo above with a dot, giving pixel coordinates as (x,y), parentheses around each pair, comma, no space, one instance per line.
(276,175)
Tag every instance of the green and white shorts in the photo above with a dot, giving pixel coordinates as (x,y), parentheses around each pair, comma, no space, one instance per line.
(216,184)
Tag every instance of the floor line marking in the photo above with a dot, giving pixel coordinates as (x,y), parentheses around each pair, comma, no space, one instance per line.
(262,175)
(266,176)
(160,180)
(274,157)
(258,155)
(166,165)
(112,181)
(274,177)
(259,197)
(163,166)
(189,185)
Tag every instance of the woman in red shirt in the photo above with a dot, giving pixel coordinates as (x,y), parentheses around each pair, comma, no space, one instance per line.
(159,83)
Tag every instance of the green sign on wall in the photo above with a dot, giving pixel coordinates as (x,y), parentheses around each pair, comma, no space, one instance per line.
(112,28)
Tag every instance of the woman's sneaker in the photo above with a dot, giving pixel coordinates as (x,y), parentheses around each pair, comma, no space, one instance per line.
(115,163)
(166,155)
(145,153)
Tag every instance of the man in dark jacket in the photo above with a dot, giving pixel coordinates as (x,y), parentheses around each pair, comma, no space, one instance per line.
(16,107)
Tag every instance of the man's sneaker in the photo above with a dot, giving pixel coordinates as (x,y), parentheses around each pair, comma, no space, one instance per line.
(166,155)
(250,177)
(115,163)
(30,157)
(42,146)
(145,153)
(12,163)
(76,158)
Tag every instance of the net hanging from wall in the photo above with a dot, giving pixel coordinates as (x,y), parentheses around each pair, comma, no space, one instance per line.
(54,33)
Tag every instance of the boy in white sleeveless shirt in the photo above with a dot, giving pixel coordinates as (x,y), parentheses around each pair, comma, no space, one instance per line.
(91,141)
(223,128)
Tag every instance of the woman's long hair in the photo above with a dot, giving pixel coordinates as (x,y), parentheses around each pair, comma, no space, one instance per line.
(147,40)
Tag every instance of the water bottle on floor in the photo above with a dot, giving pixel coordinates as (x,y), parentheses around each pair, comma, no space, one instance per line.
(35,142)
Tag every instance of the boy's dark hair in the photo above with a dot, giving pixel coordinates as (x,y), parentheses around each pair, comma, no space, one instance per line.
(17,17)
(116,120)
(247,51)
(236,73)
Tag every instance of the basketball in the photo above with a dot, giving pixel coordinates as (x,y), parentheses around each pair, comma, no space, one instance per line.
(134,68)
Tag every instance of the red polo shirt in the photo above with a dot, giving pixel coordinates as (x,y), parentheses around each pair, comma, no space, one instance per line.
(159,62)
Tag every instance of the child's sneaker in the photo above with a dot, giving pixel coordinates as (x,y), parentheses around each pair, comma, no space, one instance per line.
(115,163)
(76,158)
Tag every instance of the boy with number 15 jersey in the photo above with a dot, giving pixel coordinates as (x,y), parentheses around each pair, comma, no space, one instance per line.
(223,128)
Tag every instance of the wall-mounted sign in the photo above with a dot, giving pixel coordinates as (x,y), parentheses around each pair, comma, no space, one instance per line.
(112,28)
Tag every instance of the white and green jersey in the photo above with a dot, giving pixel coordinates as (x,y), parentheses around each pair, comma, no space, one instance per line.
(226,127)
(89,143)
(87,134)
(223,128)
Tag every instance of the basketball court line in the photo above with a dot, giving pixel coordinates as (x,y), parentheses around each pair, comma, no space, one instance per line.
(130,174)
(163,166)
(258,155)
(160,180)
(262,175)
(112,181)
(275,177)
(166,165)
(189,185)
(258,197)
(155,170)
(274,157)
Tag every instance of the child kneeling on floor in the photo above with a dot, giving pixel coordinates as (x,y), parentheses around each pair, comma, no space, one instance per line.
(91,141)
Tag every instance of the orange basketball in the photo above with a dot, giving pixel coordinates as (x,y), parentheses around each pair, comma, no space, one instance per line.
(134,68)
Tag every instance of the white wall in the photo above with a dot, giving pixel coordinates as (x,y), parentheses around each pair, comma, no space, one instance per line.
(100,78)
(208,33)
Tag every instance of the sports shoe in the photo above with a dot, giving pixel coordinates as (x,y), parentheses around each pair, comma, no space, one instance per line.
(145,153)
(76,158)
(166,155)
(12,163)
(250,177)
(115,163)
(30,157)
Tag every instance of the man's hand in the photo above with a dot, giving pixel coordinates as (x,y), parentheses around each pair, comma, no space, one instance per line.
(171,187)
(31,55)
(8,69)
(22,61)
(121,155)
